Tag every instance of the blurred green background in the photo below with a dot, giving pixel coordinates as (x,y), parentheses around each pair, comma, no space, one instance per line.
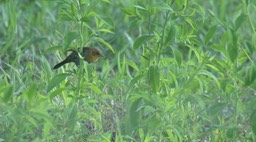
(173,70)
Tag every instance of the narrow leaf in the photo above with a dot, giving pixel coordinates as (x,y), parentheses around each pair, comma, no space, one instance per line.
(141,40)
(105,43)
(57,80)
(240,20)
(7,92)
(154,77)
(253,122)
(210,34)
(250,75)
(31,92)
(254,40)
(170,35)
(69,38)
(177,55)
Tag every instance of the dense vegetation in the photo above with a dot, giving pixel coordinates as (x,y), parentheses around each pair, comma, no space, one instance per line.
(177,70)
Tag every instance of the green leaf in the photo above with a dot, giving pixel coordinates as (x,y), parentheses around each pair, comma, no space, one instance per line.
(250,75)
(56,92)
(129,11)
(253,122)
(73,9)
(170,35)
(134,81)
(106,31)
(209,74)
(210,34)
(232,132)
(191,23)
(107,1)
(31,92)
(105,43)
(141,40)
(200,10)
(72,118)
(230,41)
(254,40)
(240,20)
(133,65)
(108,21)
(133,116)
(232,52)
(177,55)
(57,80)
(141,134)
(140,7)
(95,88)
(181,3)
(216,18)
(154,78)
(85,19)
(69,38)
(7,92)
(161,5)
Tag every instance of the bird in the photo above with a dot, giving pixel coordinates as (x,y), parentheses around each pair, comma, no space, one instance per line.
(89,54)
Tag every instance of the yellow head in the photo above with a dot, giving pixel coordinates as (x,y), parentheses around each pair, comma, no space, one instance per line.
(91,54)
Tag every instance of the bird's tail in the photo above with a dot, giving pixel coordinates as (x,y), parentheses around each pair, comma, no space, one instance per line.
(73,57)
(61,64)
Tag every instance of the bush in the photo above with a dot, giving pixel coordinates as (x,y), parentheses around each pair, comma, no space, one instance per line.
(172,71)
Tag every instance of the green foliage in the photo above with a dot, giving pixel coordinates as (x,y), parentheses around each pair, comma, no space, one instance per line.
(171,70)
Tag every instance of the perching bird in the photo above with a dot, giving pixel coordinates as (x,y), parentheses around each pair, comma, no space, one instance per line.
(89,54)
